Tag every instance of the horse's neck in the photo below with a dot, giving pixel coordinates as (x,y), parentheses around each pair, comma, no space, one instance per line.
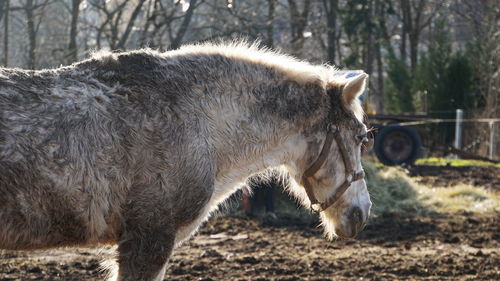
(247,125)
(260,129)
(250,144)
(234,176)
(242,148)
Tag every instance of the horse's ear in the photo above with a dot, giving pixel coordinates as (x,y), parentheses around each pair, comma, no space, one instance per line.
(353,88)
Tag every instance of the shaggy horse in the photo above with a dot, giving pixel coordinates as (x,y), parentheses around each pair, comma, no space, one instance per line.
(138,148)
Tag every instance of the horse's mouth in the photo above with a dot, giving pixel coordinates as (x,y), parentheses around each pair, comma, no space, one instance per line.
(344,236)
(352,233)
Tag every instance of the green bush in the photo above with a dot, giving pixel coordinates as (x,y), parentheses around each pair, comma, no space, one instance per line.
(441,82)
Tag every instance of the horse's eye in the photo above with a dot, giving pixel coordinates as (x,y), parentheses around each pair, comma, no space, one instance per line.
(362,138)
(366,142)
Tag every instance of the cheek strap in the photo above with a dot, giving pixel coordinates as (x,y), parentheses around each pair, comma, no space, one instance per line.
(333,132)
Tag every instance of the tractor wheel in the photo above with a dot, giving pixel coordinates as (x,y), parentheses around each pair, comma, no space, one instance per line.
(396,145)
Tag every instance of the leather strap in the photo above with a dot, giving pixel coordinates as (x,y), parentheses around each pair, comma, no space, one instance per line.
(333,132)
(330,134)
(317,164)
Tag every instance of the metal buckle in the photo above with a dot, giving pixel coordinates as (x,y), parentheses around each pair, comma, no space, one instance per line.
(316,207)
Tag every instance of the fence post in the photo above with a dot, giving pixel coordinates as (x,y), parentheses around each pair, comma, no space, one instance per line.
(492,139)
(458,129)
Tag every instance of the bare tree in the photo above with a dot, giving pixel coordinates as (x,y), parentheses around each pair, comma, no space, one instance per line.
(181,31)
(298,23)
(164,23)
(381,40)
(72,47)
(5,7)
(416,16)
(484,18)
(271,13)
(34,14)
(130,24)
(248,19)
(115,27)
(331,8)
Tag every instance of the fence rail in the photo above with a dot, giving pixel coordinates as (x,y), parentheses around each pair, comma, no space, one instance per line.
(477,135)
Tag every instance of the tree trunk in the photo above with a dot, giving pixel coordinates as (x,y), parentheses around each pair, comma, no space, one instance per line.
(270,23)
(6,34)
(340,55)
(381,37)
(130,25)
(414,41)
(369,40)
(298,23)
(378,101)
(406,14)
(73,31)
(3,8)
(114,26)
(30,17)
(331,7)
(176,43)
(147,24)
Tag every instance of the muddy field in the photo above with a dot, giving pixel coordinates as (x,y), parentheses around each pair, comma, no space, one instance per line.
(458,247)
(487,177)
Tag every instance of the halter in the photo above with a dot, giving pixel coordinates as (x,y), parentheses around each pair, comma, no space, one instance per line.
(333,132)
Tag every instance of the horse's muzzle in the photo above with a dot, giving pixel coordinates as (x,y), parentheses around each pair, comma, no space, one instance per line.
(356,221)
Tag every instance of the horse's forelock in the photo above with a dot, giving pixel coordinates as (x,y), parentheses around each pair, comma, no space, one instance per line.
(357,110)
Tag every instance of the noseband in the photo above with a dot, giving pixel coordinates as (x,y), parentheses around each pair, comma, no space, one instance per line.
(333,132)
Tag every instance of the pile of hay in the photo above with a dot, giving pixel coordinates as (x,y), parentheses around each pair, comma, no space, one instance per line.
(392,190)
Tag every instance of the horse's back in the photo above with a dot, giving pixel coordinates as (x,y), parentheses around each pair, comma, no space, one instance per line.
(75,140)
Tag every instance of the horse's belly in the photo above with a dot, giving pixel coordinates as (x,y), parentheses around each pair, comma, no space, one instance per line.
(36,216)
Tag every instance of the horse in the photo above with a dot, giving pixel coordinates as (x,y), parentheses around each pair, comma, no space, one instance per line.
(138,148)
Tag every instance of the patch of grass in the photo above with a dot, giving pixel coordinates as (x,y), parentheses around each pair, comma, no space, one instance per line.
(392,190)
(436,161)
(460,198)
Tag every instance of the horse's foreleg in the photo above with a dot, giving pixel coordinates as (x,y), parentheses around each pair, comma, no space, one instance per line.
(151,218)
(143,255)
(147,235)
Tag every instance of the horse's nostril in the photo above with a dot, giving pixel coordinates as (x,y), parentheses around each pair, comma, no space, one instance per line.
(356,220)
(356,215)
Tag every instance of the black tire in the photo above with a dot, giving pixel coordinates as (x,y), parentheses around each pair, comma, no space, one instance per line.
(396,145)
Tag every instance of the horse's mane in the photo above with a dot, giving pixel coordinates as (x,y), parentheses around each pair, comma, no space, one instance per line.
(296,70)
(300,71)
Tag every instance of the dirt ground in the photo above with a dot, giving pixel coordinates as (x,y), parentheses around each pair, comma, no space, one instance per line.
(488,177)
(459,247)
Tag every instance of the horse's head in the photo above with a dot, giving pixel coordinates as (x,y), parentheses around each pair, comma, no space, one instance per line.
(333,180)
